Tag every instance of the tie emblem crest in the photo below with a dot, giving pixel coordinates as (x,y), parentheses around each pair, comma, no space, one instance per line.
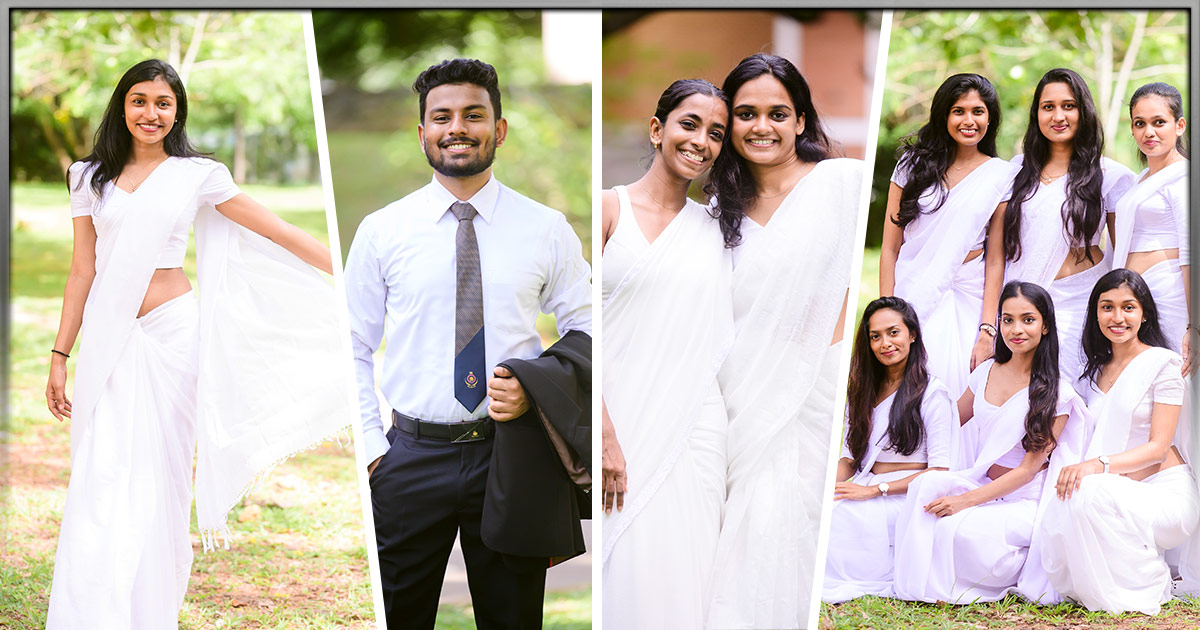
(471,381)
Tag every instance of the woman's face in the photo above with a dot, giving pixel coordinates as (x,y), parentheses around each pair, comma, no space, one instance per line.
(1021,325)
(890,338)
(691,137)
(150,111)
(1119,314)
(1155,128)
(968,119)
(1058,113)
(765,122)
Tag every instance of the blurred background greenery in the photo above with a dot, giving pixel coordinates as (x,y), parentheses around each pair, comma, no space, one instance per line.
(368,61)
(246,75)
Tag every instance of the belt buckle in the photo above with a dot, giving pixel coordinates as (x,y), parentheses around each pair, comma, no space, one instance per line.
(472,433)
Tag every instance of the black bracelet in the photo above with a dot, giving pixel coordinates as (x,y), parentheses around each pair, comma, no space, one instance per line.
(57,351)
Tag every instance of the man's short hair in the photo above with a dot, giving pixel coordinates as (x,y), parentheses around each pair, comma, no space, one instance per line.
(452,71)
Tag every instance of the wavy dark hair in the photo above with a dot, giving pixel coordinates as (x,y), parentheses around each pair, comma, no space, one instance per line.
(113,143)
(1174,103)
(1043,381)
(906,430)
(928,152)
(678,92)
(1097,349)
(1082,212)
(730,180)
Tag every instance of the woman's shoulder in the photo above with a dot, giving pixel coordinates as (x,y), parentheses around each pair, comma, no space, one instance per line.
(842,165)
(1017,160)
(1157,359)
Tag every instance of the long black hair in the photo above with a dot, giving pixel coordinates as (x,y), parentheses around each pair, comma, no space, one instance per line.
(928,152)
(1082,212)
(1096,347)
(113,142)
(1174,103)
(730,180)
(1043,381)
(678,92)
(906,430)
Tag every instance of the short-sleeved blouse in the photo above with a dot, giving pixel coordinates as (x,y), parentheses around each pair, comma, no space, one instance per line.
(1167,387)
(1161,221)
(218,187)
(977,383)
(933,195)
(936,415)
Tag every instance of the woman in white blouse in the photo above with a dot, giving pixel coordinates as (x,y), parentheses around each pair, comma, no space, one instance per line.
(149,350)
(1134,497)
(900,423)
(1151,235)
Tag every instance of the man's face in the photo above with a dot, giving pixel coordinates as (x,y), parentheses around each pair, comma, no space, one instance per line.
(460,132)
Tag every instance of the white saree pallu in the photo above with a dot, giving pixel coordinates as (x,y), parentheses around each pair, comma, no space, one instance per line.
(1105,545)
(668,324)
(987,551)
(930,274)
(779,384)
(1044,249)
(862,533)
(148,390)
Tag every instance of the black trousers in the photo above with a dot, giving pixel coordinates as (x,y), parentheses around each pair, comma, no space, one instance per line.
(423,492)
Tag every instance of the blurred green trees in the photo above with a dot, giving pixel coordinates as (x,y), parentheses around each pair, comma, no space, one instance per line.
(368,61)
(1115,52)
(246,75)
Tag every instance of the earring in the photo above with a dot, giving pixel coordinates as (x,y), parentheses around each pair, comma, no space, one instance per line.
(657,145)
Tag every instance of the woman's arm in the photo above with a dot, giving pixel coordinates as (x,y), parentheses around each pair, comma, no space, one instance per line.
(251,215)
(966,406)
(615,484)
(1190,333)
(839,328)
(1002,486)
(79,284)
(1163,421)
(993,283)
(893,238)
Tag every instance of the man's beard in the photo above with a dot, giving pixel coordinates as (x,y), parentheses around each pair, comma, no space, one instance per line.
(453,167)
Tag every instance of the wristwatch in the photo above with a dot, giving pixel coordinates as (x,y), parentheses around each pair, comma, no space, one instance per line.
(883,488)
(1104,461)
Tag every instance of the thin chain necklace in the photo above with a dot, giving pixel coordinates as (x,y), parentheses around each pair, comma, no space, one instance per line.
(660,204)
(786,189)
(149,171)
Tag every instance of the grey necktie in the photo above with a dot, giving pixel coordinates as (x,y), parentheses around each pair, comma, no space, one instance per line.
(469,357)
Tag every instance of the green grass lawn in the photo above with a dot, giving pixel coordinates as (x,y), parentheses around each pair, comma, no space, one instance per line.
(298,560)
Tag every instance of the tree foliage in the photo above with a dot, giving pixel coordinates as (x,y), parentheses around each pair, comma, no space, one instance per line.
(246,74)
(1115,52)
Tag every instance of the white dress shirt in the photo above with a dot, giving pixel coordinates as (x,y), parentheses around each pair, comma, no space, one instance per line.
(400,282)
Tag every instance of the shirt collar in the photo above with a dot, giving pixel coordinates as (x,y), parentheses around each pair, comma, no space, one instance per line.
(484,199)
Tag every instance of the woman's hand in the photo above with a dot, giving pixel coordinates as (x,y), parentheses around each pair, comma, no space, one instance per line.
(1189,350)
(947,505)
(985,347)
(854,492)
(613,476)
(56,388)
(1070,476)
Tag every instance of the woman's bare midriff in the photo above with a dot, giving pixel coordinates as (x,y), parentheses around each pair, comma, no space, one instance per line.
(886,467)
(1140,262)
(165,285)
(1172,460)
(1072,265)
(972,255)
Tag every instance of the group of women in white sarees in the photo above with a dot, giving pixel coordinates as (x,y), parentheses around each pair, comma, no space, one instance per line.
(1068,475)
(161,373)
(721,331)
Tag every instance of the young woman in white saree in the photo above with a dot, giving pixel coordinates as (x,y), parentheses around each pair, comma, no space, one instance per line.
(1135,496)
(1151,234)
(933,253)
(668,323)
(160,373)
(790,214)
(1061,196)
(972,534)
(900,422)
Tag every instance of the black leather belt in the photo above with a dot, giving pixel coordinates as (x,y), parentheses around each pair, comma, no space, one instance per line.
(458,432)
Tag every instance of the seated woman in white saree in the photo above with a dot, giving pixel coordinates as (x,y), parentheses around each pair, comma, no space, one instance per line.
(900,423)
(159,372)
(668,322)
(790,214)
(1060,197)
(1135,496)
(972,534)
(935,231)
(1152,218)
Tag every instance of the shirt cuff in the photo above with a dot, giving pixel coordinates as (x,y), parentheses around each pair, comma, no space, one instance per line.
(375,443)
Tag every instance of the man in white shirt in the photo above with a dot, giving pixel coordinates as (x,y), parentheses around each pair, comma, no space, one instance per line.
(455,288)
